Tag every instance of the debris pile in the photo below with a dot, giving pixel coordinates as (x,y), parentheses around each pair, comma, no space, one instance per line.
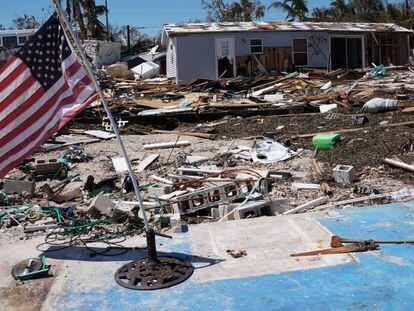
(301,142)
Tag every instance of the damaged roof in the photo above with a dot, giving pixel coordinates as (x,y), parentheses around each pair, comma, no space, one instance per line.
(177,29)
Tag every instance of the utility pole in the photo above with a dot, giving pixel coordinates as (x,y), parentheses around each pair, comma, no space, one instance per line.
(107,19)
(128,39)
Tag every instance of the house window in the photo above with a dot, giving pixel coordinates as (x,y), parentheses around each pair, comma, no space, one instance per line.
(256,46)
(10,42)
(22,40)
(224,45)
(300,52)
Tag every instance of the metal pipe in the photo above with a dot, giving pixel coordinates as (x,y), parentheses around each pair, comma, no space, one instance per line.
(344,240)
(92,76)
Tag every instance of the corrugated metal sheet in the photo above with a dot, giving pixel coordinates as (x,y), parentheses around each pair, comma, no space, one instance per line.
(177,29)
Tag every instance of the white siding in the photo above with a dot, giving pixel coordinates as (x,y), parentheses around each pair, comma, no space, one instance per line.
(171,58)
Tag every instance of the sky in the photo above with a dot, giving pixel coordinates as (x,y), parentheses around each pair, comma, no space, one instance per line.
(151,14)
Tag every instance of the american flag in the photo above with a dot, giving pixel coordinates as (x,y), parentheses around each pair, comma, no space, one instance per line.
(42,87)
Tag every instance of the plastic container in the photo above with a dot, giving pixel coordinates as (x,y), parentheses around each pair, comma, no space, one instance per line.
(376,105)
(325,141)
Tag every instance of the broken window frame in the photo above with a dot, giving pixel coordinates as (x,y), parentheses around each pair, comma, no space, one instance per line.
(299,52)
(252,46)
(20,37)
(383,46)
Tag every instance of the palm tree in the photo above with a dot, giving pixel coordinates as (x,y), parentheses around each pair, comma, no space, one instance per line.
(295,9)
(236,11)
(341,10)
(321,15)
(246,10)
(91,13)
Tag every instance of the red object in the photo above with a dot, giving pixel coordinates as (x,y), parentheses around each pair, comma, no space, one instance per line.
(42,88)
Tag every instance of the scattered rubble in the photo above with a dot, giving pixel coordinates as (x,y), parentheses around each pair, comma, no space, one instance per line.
(216,151)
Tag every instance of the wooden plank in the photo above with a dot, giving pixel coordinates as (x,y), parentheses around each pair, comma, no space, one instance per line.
(161,179)
(153,103)
(399,164)
(408,110)
(146,162)
(330,132)
(166,145)
(194,134)
(357,129)
(307,206)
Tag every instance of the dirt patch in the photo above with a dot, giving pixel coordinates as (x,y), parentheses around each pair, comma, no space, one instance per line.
(367,147)
(25,296)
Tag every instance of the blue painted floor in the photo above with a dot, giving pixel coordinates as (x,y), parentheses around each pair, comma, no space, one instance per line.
(378,281)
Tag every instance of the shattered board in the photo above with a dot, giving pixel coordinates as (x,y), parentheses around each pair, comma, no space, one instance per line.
(268,242)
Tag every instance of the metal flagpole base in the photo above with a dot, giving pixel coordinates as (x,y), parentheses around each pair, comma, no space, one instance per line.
(153,272)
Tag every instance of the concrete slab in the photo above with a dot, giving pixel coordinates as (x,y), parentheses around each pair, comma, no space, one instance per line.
(380,280)
(268,242)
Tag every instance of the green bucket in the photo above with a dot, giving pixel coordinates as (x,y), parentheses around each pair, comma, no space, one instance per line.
(325,141)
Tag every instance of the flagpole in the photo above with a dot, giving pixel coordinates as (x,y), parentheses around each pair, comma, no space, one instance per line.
(92,76)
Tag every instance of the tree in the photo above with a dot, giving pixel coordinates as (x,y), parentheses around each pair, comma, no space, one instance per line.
(294,9)
(237,11)
(25,22)
(321,14)
(91,13)
(368,10)
(140,42)
(74,13)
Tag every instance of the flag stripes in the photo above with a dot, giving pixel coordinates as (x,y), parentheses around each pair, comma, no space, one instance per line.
(41,89)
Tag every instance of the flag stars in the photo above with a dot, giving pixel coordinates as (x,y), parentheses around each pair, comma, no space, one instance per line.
(44,53)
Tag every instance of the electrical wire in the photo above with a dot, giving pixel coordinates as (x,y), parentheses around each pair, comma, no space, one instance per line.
(84,234)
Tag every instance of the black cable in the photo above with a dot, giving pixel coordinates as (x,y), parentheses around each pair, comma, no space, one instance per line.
(82,236)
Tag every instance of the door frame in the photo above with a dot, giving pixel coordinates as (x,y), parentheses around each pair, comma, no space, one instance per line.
(232,53)
(362,37)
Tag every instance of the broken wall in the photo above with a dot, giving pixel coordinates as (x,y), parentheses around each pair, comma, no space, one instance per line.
(195,54)
(387,48)
(102,52)
(171,58)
